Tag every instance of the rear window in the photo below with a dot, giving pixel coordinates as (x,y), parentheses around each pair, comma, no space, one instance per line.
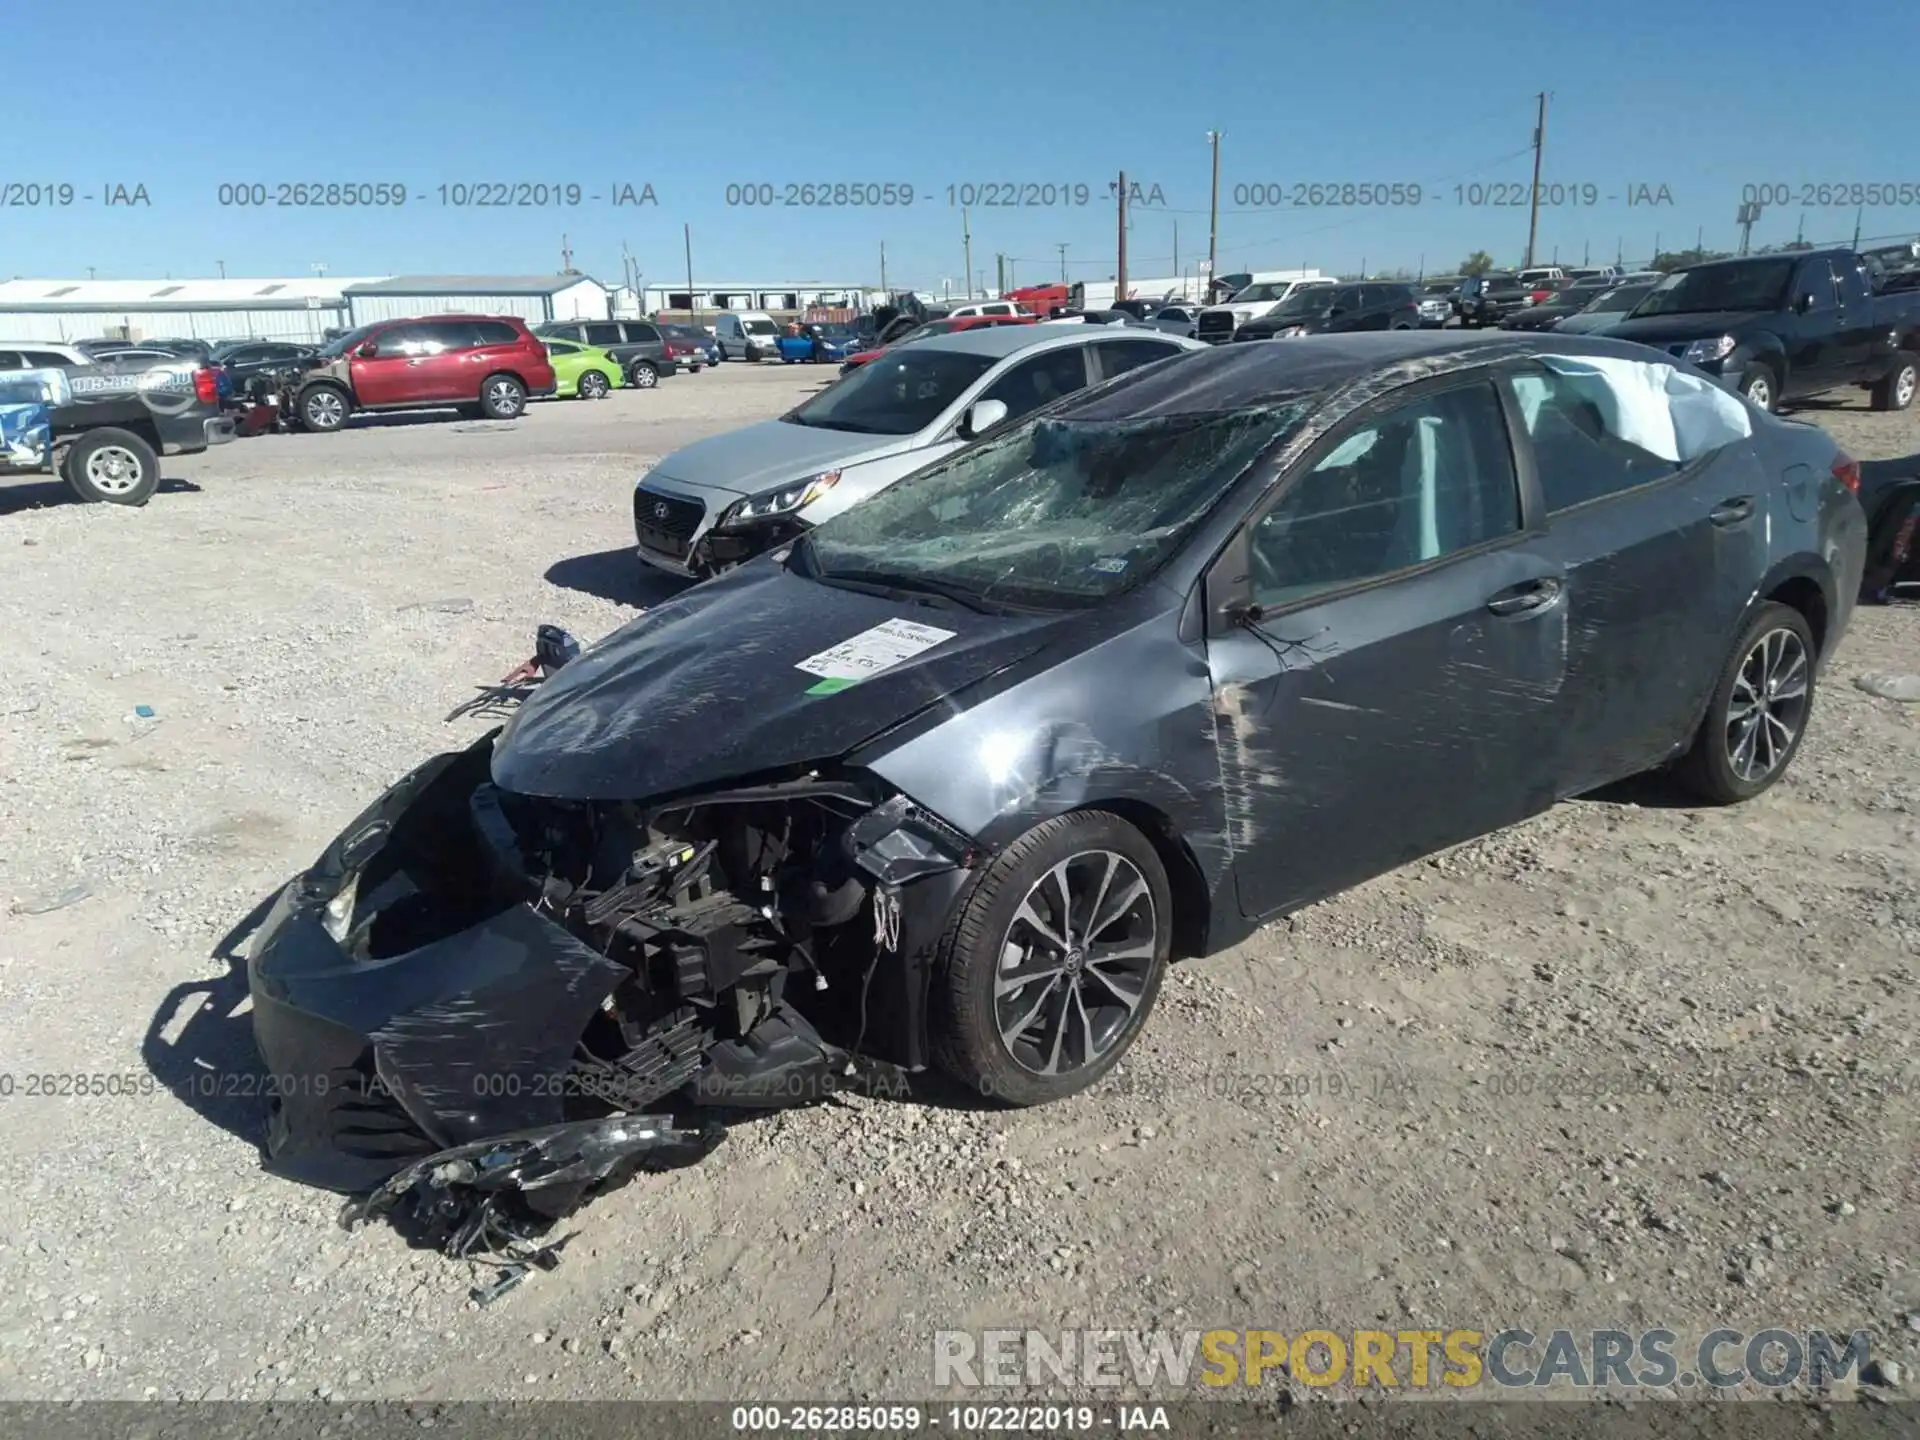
(641,334)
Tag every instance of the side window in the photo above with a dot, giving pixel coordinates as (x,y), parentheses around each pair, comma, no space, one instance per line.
(1040,381)
(1600,427)
(641,334)
(605,332)
(12,360)
(562,347)
(446,335)
(44,360)
(1119,356)
(405,340)
(495,332)
(1429,479)
(1816,279)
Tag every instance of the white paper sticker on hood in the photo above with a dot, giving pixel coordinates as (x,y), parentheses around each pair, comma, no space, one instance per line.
(871,651)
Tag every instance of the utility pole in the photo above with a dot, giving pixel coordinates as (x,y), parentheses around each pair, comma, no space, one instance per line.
(1213,215)
(1176,247)
(1000,273)
(223,268)
(1062,248)
(1749,213)
(688,231)
(966,245)
(1620,252)
(1800,234)
(1539,144)
(1861,210)
(1120,271)
(883,267)
(566,256)
(1586,253)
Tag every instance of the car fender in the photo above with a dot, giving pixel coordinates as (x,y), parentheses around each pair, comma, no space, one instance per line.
(1762,346)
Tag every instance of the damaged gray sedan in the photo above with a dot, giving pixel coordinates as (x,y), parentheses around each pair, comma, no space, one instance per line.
(949,781)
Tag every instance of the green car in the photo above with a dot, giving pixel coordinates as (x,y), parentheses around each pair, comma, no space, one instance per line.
(582,371)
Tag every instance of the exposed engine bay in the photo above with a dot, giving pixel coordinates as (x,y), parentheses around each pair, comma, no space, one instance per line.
(485,1007)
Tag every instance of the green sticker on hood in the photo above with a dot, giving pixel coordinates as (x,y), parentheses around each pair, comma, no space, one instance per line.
(829,687)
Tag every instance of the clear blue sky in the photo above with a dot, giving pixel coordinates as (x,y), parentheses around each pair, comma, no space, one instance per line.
(1700,99)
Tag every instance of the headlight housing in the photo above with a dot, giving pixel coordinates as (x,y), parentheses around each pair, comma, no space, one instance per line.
(1240,317)
(1288,332)
(783,501)
(1701,352)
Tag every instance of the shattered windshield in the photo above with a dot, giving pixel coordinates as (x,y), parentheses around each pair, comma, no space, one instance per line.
(1740,285)
(896,394)
(1059,513)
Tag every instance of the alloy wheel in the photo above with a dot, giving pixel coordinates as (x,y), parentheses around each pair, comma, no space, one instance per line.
(1768,705)
(113,470)
(1903,386)
(1075,962)
(324,410)
(503,399)
(593,385)
(1760,392)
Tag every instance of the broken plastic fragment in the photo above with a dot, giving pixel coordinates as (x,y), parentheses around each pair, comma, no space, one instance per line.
(1890,687)
(45,903)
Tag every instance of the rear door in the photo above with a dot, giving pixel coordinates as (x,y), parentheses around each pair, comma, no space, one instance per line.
(1039,380)
(1864,345)
(605,335)
(1812,331)
(451,362)
(1661,552)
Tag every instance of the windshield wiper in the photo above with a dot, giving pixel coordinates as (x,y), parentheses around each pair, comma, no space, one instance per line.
(876,582)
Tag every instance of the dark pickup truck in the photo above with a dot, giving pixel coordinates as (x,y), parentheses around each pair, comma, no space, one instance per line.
(103,428)
(1777,328)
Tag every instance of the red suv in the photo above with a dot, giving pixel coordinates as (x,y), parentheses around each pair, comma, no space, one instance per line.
(485,364)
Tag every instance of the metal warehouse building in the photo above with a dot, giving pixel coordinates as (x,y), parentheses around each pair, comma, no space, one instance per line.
(299,309)
(756,295)
(532,297)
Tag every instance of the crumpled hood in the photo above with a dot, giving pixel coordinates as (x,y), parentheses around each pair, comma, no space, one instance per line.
(768,455)
(1660,329)
(705,688)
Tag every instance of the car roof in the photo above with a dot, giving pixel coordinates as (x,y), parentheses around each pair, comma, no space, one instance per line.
(1230,377)
(67,345)
(999,341)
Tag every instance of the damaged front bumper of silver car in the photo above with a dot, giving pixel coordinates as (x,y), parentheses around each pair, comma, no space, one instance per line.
(493,1005)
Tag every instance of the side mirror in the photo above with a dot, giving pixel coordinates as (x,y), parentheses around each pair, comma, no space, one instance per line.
(1804,303)
(982,416)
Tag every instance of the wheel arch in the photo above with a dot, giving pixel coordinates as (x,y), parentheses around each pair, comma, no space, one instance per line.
(1803,583)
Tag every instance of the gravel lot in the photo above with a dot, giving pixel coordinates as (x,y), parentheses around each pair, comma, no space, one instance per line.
(300,612)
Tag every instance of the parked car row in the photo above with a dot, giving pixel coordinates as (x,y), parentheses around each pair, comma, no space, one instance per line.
(1076,650)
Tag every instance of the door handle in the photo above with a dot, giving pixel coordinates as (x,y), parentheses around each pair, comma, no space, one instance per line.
(1527,597)
(1732,512)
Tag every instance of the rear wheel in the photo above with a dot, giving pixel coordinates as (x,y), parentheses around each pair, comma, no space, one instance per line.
(502,397)
(1896,388)
(111,465)
(592,385)
(1758,385)
(643,375)
(1757,715)
(1052,960)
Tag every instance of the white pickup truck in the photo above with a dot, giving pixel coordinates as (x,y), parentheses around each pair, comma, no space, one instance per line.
(1217,323)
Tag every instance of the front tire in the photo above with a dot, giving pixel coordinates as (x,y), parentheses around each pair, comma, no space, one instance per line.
(502,397)
(111,466)
(1052,960)
(324,409)
(1758,386)
(1896,388)
(1758,713)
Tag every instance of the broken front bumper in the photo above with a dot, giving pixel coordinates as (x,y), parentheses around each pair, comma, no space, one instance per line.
(379,1063)
(413,996)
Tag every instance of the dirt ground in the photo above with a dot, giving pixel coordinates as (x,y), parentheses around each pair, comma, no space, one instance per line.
(1630,1064)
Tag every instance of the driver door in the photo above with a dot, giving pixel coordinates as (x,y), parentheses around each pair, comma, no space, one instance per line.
(1386,650)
